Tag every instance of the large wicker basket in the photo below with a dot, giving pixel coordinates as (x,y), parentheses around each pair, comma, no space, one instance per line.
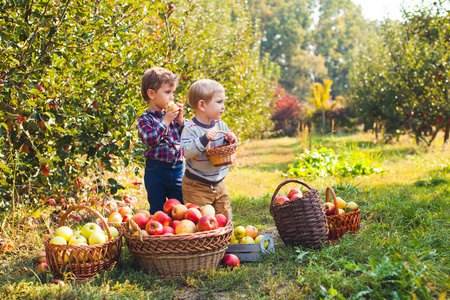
(339,224)
(222,155)
(301,221)
(174,255)
(83,261)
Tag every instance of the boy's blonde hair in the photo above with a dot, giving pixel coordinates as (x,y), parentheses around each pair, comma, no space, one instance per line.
(203,89)
(154,78)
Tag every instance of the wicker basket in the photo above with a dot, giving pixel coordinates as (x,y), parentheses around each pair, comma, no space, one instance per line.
(222,155)
(188,252)
(301,221)
(83,261)
(339,224)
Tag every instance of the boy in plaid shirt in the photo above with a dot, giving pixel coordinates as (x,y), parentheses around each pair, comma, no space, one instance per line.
(160,128)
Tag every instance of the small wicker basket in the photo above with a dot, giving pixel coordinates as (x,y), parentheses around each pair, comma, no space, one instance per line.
(174,255)
(83,261)
(301,221)
(222,155)
(339,224)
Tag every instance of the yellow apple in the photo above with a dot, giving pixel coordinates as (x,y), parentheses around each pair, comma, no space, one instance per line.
(114,232)
(90,228)
(65,232)
(234,240)
(97,238)
(258,238)
(247,240)
(352,205)
(341,203)
(58,240)
(77,240)
(239,232)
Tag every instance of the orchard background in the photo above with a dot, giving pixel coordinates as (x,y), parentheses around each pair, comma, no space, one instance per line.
(314,72)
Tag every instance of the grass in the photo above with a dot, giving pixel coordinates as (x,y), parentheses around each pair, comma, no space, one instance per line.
(400,252)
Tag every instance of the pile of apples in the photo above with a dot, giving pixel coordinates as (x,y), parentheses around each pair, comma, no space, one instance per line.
(248,234)
(293,194)
(343,207)
(177,218)
(89,234)
(119,216)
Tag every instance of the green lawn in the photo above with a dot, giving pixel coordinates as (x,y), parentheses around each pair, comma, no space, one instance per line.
(400,252)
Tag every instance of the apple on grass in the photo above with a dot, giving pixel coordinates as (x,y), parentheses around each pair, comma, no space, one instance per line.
(230,260)
(239,232)
(169,204)
(207,223)
(42,267)
(330,209)
(207,209)
(221,220)
(193,214)
(185,226)
(281,199)
(251,231)
(162,218)
(140,219)
(64,232)
(294,191)
(89,228)
(178,211)
(41,257)
(154,227)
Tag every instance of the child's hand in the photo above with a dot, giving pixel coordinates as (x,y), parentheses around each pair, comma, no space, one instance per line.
(170,116)
(231,138)
(180,118)
(211,134)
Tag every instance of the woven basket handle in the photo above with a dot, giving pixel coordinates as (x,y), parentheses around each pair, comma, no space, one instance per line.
(327,195)
(209,142)
(283,184)
(95,212)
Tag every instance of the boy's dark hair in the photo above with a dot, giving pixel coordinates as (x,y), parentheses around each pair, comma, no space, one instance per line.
(154,78)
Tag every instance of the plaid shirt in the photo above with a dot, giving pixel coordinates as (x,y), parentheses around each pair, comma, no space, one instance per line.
(163,143)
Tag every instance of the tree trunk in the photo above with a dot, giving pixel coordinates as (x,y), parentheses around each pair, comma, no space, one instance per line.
(446,133)
(323,119)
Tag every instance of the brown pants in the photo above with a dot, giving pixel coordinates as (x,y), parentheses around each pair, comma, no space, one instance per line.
(201,193)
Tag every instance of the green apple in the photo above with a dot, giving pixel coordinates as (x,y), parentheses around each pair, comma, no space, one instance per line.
(341,211)
(352,206)
(65,232)
(90,228)
(77,240)
(114,232)
(58,240)
(97,238)
(234,240)
(247,240)
(239,232)
(258,239)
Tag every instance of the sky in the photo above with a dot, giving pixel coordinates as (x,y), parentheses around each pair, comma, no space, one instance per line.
(381,9)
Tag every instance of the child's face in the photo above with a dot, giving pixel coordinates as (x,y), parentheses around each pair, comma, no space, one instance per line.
(216,107)
(162,97)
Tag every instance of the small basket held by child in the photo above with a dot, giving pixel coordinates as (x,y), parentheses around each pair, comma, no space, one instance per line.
(222,155)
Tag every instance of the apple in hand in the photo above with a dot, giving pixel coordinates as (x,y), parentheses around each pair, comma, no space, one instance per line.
(169,204)
(162,218)
(221,220)
(154,227)
(185,226)
(90,228)
(230,260)
(97,237)
(293,192)
(193,214)
(140,219)
(239,232)
(207,222)
(251,231)
(78,240)
(281,199)
(64,232)
(207,209)
(329,208)
(178,212)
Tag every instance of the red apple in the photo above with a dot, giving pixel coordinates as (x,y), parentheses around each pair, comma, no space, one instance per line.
(193,214)
(125,211)
(230,260)
(329,208)
(168,230)
(146,212)
(251,231)
(281,199)
(175,223)
(207,222)
(185,226)
(141,219)
(192,205)
(296,196)
(153,227)
(221,220)
(208,210)
(127,216)
(178,212)
(42,267)
(162,218)
(169,204)
(293,192)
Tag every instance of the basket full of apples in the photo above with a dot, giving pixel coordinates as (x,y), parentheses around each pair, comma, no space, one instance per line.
(342,217)
(299,217)
(83,252)
(183,238)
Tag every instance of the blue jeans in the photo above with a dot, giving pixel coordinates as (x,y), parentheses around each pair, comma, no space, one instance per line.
(162,180)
